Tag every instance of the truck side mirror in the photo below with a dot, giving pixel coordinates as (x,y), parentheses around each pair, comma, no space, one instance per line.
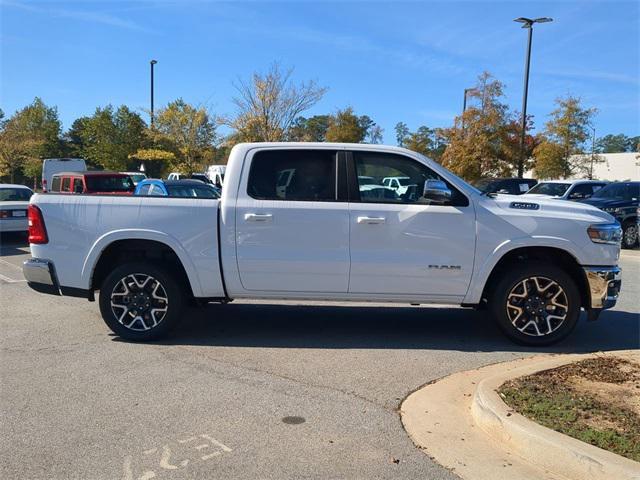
(436,191)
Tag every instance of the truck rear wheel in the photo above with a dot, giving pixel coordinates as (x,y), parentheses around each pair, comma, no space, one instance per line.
(140,301)
(536,304)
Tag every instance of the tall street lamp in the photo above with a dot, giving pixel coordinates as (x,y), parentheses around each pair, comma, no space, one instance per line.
(153,62)
(528,24)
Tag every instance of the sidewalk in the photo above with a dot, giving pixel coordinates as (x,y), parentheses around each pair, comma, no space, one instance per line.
(461,422)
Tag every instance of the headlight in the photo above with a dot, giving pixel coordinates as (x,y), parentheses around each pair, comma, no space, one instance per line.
(610,233)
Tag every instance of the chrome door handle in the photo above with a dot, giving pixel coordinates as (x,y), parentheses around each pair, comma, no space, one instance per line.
(258,217)
(371,220)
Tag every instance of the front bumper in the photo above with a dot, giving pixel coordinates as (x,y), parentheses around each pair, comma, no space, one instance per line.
(604,286)
(41,276)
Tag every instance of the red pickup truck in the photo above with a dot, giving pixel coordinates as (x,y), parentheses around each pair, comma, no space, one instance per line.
(101,182)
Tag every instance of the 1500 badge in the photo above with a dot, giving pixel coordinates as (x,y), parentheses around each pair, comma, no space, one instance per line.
(445,267)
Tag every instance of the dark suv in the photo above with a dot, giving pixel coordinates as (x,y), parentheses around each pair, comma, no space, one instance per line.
(620,199)
(512,186)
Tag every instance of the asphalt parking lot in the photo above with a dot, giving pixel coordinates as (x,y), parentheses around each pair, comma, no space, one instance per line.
(246,390)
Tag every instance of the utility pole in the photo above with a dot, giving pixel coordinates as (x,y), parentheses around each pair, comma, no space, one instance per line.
(528,24)
(153,62)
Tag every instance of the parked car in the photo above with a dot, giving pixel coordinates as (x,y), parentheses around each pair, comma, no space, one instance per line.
(137,177)
(533,263)
(511,186)
(566,189)
(92,182)
(14,201)
(51,166)
(621,199)
(202,177)
(177,188)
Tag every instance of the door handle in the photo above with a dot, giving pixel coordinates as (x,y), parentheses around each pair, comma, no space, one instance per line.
(258,217)
(371,220)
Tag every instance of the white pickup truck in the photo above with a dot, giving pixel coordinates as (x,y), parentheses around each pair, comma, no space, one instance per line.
(534,264)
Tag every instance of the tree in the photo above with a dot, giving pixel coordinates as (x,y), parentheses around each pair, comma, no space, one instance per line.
(568,130)
(268,105)
(346,127)
(402,131)
(187,131)
(476,141)
(72,139)
(551,161)
(108,137)
(28,137)
(616,143)
(313,129)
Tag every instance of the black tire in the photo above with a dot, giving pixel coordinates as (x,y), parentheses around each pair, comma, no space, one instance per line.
(629,234)
(155,317)
(509,295)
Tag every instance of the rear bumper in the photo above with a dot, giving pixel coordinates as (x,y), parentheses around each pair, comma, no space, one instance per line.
(40,274)
(604,286)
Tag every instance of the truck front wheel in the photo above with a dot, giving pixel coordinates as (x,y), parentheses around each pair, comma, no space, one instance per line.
(140,301)
(535,304)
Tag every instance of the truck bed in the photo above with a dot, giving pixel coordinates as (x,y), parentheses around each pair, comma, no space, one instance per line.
(81,227)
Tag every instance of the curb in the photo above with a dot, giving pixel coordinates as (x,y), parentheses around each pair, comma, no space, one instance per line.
(542,446)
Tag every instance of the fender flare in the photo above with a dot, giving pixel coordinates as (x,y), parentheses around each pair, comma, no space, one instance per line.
(99,246)
(483,270)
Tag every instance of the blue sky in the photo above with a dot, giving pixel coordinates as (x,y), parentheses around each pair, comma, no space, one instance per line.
(394,61)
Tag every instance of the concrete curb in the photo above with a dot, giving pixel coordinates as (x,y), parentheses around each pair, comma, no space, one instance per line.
(551,450)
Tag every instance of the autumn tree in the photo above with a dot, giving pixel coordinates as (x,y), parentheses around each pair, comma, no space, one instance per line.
(268,104)
(475,144)
(430,142)
(28,137)
(347,127)
(561,152)
(187,131)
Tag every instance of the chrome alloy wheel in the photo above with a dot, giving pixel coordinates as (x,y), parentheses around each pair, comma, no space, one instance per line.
(537,306)
(630,235)
(139,302)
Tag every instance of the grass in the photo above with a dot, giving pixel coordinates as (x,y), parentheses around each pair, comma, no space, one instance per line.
(566,400)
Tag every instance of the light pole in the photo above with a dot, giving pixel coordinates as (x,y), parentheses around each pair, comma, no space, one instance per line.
(528,24)
(153,62)
(464,104)
(593,151)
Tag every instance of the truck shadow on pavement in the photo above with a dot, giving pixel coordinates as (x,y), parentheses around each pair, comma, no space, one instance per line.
(13,243)
(343,327)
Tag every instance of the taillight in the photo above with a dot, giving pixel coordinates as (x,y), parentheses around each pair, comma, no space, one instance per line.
(37,230)
(4,213)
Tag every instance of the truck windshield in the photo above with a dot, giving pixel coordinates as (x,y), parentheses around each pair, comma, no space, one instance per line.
(553,189)
(105,183)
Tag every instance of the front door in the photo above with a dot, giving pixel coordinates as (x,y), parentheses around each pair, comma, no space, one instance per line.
(292,232)
(400,242)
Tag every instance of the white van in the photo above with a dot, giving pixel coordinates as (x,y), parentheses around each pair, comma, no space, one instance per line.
(51,166)
(216,174)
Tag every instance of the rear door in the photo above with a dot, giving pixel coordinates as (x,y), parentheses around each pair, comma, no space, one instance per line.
(292,228)
(404,244)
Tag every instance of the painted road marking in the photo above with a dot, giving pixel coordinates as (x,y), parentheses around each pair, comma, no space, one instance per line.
(170,460)
(10,280)
(10,264)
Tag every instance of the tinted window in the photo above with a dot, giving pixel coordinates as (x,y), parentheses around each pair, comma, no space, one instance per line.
(302,175)
(622,191)
(15,194)
(192,191)
(553,189)
(78,187)
(105,183)
(55,184)
(66,184)
(407,178)
(581,191)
